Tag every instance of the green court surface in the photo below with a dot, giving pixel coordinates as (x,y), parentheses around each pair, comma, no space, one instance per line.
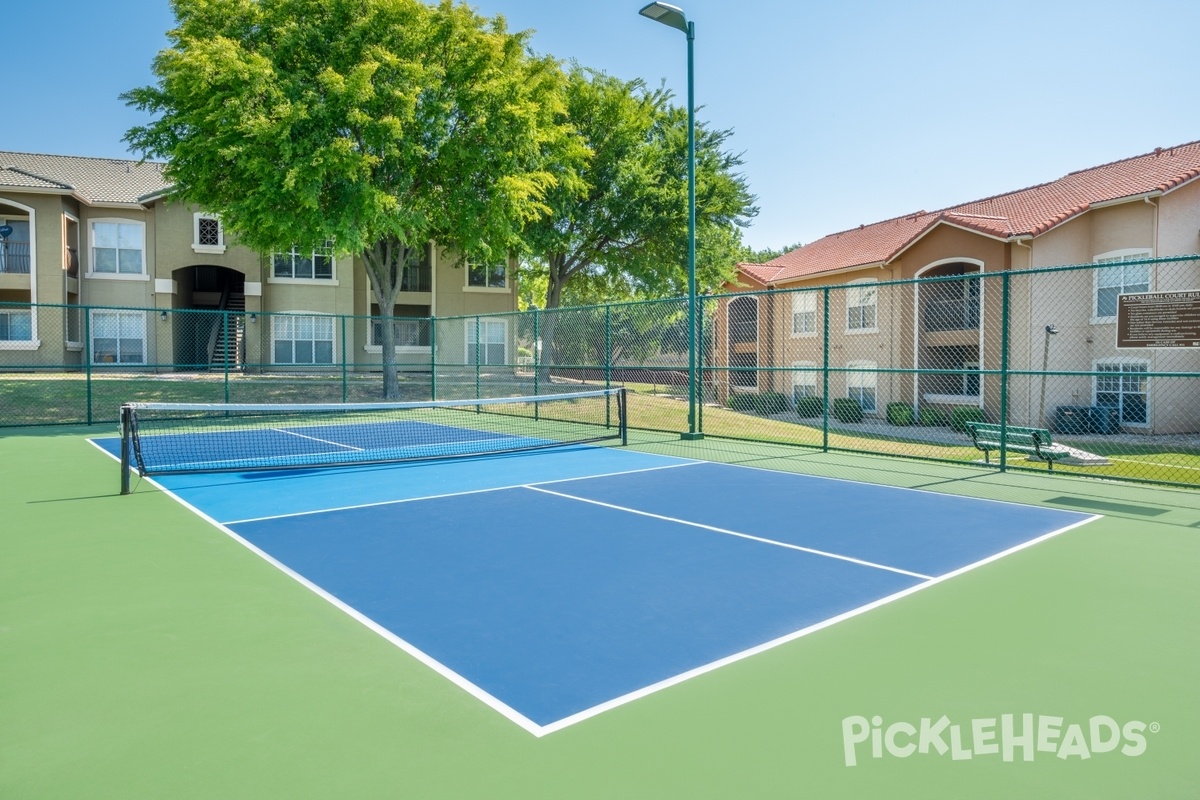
(145,654)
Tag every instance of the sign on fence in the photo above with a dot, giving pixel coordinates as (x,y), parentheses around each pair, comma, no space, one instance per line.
(1158,319)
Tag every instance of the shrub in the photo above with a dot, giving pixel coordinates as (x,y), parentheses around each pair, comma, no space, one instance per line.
(742,401)
(847,409)
(900,414)
(959,417)
(809,406)
(932,416)
(772,403)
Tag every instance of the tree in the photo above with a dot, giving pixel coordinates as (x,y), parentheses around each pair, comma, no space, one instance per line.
(625,213)
(380,124)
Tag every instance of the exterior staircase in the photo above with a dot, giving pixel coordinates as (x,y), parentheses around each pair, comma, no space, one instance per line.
(227,344)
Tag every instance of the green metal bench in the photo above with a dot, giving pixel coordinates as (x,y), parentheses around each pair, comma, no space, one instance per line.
(1033,441)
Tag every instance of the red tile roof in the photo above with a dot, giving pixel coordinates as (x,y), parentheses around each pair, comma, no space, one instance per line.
(1025,212)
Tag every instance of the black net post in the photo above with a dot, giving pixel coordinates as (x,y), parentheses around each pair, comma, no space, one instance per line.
(126,446)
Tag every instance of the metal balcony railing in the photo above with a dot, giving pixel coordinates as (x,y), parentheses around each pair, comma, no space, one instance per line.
(14,257)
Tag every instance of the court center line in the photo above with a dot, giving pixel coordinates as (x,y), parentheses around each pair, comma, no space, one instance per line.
(727,532)
(455,494)
(315,439)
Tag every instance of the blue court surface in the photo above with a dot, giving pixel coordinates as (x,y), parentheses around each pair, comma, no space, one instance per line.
(557,584)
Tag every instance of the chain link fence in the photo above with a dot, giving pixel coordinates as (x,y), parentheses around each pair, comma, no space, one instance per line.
(884,367)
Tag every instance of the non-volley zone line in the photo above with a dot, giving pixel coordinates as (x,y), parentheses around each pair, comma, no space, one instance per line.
(747,536)
(463,493)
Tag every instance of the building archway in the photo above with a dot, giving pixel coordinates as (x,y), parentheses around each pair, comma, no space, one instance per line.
(209,319)
(948,333)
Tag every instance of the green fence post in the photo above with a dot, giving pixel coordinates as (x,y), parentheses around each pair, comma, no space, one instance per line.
(87,362)
(825,374)
(225,350)
(607,360)
(478,354)
(1006,281)
(701,349)
(345,386)
(537,351)
(432,358)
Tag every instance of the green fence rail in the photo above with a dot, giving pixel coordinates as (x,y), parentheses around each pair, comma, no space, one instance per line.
(886,367)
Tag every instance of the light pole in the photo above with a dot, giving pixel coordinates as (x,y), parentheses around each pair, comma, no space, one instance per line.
(673,17)
(1050,331)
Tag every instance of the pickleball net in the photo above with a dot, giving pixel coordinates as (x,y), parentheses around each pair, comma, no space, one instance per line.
(163,438)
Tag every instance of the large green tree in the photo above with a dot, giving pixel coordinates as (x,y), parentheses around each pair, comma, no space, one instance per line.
(380,124)
(623,214)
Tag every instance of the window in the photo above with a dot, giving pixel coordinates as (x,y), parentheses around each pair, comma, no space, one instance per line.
(861,385)
(804,314)
(409,332)
(487,341)
(743,320)
(744,374)
(861,299)
(494,276)
(117,248)
(207,234)
(118,337)
(296,264)
(1121,278)
(970,381)
(1125,387)
(16,325)
(300,339)
(804,380)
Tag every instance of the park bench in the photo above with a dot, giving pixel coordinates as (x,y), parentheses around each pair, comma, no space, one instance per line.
(1033,441)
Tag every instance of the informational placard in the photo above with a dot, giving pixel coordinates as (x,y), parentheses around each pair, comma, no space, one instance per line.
(1158,319)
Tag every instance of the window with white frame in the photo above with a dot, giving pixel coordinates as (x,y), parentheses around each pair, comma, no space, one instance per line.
(117,247)
(309,265)
(409,331)
(804,314)
(207,234)
(862,297)
(861,385)
(1123,385)
(804,380)
(118,337)
(487,276)
(302,339)
(16,325)
(1117,279)
(487,341)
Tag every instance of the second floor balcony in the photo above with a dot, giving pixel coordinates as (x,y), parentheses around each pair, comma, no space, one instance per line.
(950,315)
(14,257)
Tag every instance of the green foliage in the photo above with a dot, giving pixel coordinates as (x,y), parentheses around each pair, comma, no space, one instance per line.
(961,415)
(379,124)
(773,403)
(809,406)
(847,409)
(742,401)
(900,414)
(932,416)
(764,403)
(619,207)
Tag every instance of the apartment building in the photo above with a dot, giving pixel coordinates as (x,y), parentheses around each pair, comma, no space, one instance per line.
(99,261)
(1107,219)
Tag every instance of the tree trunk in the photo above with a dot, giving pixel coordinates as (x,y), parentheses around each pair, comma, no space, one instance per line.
(384,263)
(554,286)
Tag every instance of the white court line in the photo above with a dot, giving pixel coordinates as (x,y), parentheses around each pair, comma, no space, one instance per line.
(728,532)
(854,612)
(315,439)
(456,494)
(542,730)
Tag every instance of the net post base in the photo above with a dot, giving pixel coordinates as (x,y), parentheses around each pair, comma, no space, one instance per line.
(691,437)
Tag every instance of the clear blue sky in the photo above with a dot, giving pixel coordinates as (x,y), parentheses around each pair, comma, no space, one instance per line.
(846,113)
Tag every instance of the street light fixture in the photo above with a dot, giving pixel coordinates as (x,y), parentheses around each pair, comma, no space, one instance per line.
(673,17)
